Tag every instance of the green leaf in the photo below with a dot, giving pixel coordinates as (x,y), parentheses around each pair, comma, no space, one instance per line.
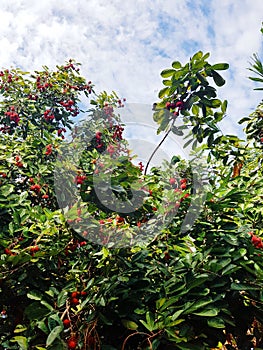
(176,65)
(62,298)
(6,190)
(216,322)
(207,313)
(241,286)
(20,328)
(47,305)
(53,335)
(35,311)
(22,342)
(220,66)
(195,109)
(160,302)
(163,92)
(41,325)
(166,73)
(129,324)
(34,295)
(210,140)
(177,131)
(149,324)
(218,79)
(198,304)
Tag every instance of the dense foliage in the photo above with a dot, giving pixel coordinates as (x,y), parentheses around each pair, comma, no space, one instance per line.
(174,263)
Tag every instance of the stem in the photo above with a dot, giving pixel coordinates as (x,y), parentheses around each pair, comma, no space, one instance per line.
(158,146)
(131,335)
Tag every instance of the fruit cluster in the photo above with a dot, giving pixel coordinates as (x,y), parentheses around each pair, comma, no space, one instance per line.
(175,107)
(256,241)
(75,297)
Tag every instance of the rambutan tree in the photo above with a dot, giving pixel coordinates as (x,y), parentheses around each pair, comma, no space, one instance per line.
(97,252)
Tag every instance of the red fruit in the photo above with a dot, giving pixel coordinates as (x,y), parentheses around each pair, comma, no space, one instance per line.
(167,256)
(35,188)
(34,249)
(182,181)
(20,165)
(255,240)
(172,180)
(183,186)
(167,105)
(8,251)
(98,135)
(119,219)
(179,104)
(66,322)
(72,343)
(74,294)
(45,196)
(74,301)
(172,106)
(185,196)
(83,293)
(83,243)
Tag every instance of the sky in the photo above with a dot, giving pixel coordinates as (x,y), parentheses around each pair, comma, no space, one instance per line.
(123,45)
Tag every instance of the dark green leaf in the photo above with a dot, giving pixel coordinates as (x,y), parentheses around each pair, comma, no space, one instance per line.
(218,79)
(220,66)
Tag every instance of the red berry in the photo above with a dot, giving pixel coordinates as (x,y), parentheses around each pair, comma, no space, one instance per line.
(74,294)
(72,343)
(183,186)
(83,293)
(8,251)
(74,301)
(179,104)
(167,256)
(167,105)
(255,240)
(66,322)
(172,181)
(182,181)
(34,249)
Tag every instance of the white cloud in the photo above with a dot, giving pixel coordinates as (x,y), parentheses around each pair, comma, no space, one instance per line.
(123,45)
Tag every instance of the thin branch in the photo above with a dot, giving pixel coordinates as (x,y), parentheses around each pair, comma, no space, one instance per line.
(158,146)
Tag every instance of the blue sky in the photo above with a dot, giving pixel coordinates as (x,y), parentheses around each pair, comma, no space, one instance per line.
(123,45)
